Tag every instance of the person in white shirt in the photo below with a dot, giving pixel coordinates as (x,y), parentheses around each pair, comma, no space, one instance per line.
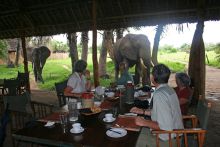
(79,81)
(165,114)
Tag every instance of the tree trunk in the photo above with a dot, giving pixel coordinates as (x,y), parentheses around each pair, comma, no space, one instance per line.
(84,40)
(94,45)
(197,63)
(72,39)
(17,52)
(106,46)
(156,44)
(23,44)
(119,33)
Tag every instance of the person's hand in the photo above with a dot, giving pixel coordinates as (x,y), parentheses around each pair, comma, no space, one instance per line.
(87,74)
(137,110)
(140,121)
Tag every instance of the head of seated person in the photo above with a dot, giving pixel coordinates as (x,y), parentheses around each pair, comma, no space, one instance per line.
(79,81)
(182,80)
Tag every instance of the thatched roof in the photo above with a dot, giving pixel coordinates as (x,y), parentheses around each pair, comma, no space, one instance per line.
(48,17)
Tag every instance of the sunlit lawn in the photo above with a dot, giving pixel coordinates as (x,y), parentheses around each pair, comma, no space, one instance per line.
(58,70)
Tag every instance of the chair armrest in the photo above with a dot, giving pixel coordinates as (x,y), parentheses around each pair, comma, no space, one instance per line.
(179,132)
(192,118)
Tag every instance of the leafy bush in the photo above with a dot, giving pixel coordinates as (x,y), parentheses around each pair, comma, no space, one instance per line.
(3,49)
(185,48)
(217,51)
(210,46)
(59,47)
(168,49)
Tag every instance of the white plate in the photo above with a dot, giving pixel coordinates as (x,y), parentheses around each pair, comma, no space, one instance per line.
(113,119)
(49,124)
(113,132)
(76,132)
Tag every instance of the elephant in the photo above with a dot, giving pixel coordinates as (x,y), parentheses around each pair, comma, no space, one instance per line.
(39,57)
(134,49)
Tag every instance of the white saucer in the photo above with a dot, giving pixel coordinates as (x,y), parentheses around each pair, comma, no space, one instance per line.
(113,132)
(113,119)
(76,132)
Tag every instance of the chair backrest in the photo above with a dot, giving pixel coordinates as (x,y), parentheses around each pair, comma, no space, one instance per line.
(203,112)
(23,79)
(60,92)
(18,120)
(41,110)
(11,86)
(3,126)
(60,86)
(20,103)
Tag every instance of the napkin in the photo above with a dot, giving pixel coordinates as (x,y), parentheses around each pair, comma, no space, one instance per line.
(126,122)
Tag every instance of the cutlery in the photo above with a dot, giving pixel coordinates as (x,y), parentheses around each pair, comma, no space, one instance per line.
(115,131)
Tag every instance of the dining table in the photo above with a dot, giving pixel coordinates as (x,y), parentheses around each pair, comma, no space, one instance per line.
(94,134)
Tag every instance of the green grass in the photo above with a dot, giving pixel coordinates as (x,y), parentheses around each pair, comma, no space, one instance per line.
(59,70)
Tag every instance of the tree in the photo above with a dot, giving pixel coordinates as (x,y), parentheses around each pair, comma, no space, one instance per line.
(196,68)
(106,46)
(17,52)
(72,40)
(3,49)
(159,31)
(84,41)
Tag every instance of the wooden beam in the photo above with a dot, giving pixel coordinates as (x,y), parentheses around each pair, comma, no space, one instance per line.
(94,46)
(23,43)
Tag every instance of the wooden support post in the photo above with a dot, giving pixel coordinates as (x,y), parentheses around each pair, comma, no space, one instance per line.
(25,61)
(94,46)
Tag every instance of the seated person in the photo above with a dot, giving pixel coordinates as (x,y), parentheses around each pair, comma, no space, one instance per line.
(183,91)
(124,75)
(79,81)
(165,114)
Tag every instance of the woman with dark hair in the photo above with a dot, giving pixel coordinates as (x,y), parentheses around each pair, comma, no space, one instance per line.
(79,81)
(183,91)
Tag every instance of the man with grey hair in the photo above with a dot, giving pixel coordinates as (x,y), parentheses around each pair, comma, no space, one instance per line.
(79,81)
(165,114)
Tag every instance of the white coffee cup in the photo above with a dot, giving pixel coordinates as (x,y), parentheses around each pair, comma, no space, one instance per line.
(108,117)
(77,126)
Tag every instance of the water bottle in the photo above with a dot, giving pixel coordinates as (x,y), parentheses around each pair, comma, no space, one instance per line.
(129,92)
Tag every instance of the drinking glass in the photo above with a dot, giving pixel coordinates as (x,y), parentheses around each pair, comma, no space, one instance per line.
(115,112)
(63,119)
(73,111)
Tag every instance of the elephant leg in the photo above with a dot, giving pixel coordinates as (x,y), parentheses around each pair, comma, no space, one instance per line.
(146,74)
(35,73)
(116,71)
(40,78)
(137,73)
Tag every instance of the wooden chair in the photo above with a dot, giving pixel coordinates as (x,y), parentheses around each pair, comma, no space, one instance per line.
(18,120)
(194,136)
(23,79)
(200,119)
(41,110)
(11,87)
(200,134)
(60,92)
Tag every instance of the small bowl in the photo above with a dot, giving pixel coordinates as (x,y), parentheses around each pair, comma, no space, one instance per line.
(110,94)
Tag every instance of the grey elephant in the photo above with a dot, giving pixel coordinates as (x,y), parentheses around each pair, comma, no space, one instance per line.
(39,57)
(134,50)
